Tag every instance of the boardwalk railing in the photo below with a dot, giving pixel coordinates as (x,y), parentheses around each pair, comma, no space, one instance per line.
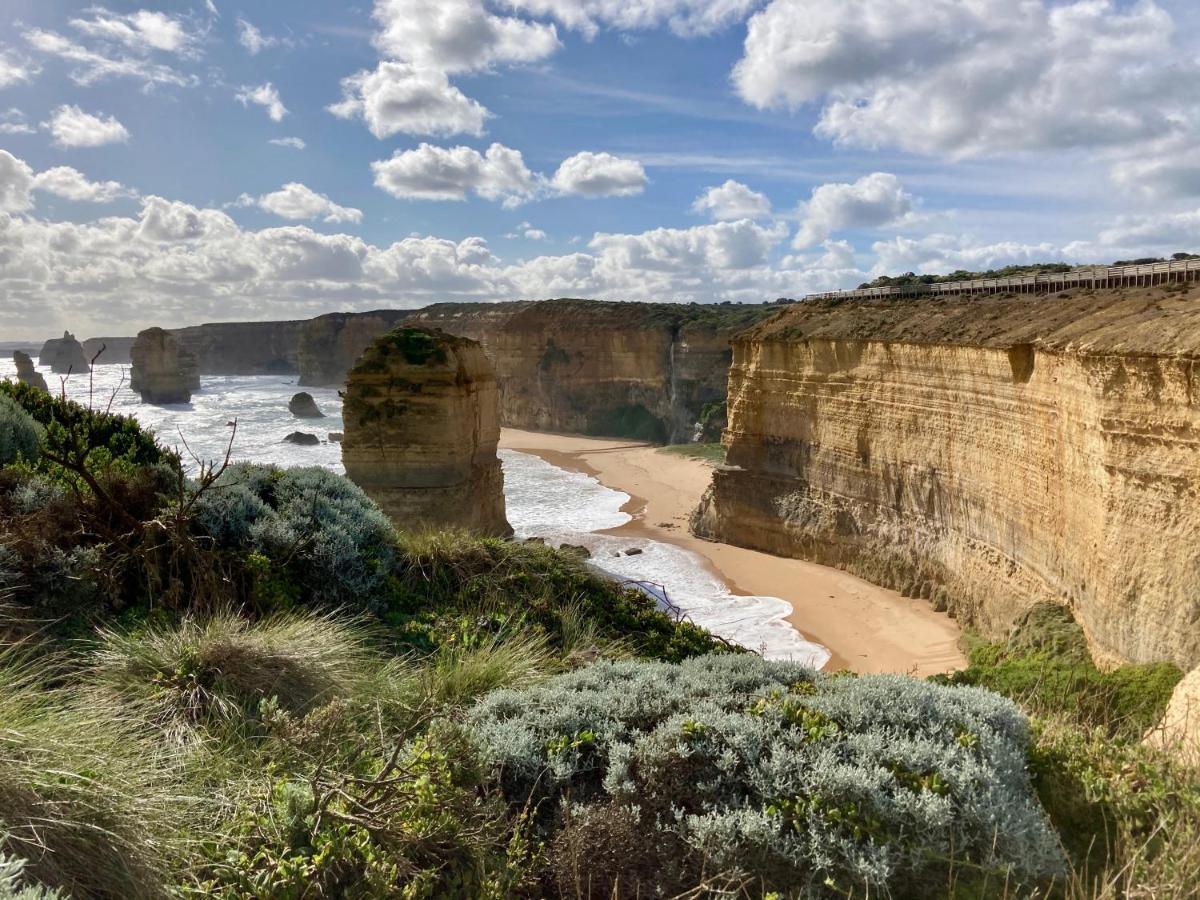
(1084,277)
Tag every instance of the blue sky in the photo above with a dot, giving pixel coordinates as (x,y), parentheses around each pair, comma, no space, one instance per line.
(189,161)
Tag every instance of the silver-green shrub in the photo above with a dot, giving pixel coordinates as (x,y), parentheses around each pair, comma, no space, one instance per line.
(332,539)
(805,783)
(15,886)
(20,435)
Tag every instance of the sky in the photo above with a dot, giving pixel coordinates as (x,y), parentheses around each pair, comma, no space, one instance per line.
(213,160)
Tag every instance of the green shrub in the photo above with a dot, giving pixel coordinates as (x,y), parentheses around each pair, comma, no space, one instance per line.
(20,435)
(454,586)
(1045,666)
(771,772)
(321,539)
(15,886)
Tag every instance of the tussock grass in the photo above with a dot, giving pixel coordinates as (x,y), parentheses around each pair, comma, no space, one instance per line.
(87,797)
(219,669)
(457,676)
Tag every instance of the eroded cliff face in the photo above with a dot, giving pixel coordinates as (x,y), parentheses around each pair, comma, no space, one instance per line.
(421,431)
(621,369)
(986,453)
(242,348)
(64,355)
(27,373)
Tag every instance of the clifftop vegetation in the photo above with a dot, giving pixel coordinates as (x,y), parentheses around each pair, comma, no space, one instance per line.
(247,684)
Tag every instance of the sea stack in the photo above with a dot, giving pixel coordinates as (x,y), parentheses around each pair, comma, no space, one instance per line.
(422,426)
(64,355)
(163,372)
(27,373)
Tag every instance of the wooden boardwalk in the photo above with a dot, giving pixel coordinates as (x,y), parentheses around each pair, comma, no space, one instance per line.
(1096,277)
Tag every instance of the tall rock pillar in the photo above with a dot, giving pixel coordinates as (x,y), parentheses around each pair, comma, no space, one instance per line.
(163,371)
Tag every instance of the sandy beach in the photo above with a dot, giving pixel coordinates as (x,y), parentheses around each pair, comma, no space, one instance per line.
(865,627)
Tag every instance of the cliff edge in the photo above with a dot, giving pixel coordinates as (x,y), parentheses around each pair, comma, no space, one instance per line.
(986,453)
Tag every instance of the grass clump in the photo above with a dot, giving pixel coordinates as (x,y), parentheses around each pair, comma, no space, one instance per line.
(709,453)
(769,776)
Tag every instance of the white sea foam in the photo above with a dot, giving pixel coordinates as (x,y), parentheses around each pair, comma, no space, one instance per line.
(543,500)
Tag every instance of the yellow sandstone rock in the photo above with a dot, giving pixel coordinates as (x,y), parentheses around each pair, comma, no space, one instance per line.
(986,453)
(421,428)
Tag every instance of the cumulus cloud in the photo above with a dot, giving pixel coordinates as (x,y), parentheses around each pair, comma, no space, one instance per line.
(686,18)
(873,201)
(1147,234)
(403,97)
(16,184)
(14,69)
(458,35)
(141,31)
(72,127)
(298,201)
(12,121)
(266,96)
(92,66)
(451,173)
(731,201)
(252,39)
(528,232)
(600,175)
(947,77)
(294,142)
(947,253)
(724,245)
(71,184)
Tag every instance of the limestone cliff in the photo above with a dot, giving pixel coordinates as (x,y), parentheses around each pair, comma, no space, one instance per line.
(163,371)
(621,369)
(242,348)
(64,355)
(421,429)
(27,373)
(987,453)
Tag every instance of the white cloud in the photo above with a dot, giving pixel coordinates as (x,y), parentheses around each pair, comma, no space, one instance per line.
(458,35)
(731,201)
(13,69)
(12,121)
(946,253)
(72,127)
(252,39)
(440,173)
(294,142)
(724,245)
(1151,234)
(402,97)
(873,201)
(528,232)
(297,201)
(686,18)
(71,184)
(16,184)
(600,175)
(972,78)
(93,66)
(266,96)
(141,31)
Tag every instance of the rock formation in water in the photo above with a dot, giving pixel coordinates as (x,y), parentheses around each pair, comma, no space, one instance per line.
(163,371)
(985,452)
(642,370)
(64,355)
(302,439)
(303,406)
(27,373)
(422,425)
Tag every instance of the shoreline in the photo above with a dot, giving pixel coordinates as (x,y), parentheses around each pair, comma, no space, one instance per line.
(864,627)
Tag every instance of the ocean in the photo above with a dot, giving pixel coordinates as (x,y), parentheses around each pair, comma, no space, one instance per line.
(543,500)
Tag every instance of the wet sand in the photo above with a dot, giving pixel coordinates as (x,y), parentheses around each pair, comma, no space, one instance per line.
(865,627)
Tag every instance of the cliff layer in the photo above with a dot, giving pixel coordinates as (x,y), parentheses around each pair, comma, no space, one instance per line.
(421,429)
(242,348)
(163,371)
(620,369)
(986,453)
